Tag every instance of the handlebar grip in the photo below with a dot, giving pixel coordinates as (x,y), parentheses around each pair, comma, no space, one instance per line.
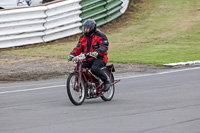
(89,54)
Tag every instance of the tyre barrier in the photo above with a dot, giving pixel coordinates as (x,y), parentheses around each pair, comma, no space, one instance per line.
(48,22)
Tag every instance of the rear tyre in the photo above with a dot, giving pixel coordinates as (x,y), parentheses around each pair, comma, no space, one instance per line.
(107,96)
(76,95)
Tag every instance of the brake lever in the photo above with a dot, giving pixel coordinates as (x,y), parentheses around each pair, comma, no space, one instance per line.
(87,54)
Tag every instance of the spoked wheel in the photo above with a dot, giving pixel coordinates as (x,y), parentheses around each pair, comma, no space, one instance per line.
(76,95)
(107,96)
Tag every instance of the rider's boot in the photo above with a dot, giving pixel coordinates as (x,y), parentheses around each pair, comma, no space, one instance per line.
(106,85)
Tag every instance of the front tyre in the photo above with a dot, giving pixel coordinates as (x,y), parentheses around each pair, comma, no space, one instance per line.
(107,96)
(75,94)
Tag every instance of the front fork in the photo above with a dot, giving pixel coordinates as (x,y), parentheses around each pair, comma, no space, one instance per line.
(78,80)
(79,76)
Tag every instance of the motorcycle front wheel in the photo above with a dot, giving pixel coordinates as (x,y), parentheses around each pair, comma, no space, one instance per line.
(75,94)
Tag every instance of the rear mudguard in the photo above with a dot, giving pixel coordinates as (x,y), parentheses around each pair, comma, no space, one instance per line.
(110,68)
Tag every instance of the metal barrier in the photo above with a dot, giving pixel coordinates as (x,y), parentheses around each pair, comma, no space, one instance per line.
(22,26)
(102,11)
(63,20)
(56,20)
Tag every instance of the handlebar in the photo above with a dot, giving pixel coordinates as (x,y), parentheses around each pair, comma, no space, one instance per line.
(78,58)
(81,57)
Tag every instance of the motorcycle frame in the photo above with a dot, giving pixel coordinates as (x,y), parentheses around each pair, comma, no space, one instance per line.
(82,72)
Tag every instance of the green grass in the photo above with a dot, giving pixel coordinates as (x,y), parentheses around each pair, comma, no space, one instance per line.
(163,31)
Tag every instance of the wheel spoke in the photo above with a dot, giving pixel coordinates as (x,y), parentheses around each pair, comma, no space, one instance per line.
(107,96)
(76,95)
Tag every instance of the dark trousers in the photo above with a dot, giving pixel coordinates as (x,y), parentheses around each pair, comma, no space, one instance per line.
(95,67)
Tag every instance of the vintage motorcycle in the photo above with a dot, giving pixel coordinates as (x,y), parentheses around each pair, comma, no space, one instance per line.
(82,84)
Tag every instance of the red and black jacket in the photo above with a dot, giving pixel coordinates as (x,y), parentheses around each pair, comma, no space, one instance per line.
(97,42)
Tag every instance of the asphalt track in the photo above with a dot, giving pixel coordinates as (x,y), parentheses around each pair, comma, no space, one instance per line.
(162,102)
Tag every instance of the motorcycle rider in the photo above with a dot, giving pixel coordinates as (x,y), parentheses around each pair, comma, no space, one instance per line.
(97,43)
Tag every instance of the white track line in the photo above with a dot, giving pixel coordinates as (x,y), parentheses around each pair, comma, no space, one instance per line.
(29,85)
(128,77)
(160,73)
(33,89)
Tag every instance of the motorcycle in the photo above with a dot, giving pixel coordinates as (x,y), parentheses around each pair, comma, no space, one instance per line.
(82,84)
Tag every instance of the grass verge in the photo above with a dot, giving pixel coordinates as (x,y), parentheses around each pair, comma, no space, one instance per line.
(162,31)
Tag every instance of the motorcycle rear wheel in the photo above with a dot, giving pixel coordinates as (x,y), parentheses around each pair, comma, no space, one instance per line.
(107,96)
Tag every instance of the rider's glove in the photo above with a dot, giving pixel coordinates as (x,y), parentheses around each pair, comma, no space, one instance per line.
(95,54)
(70,57)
